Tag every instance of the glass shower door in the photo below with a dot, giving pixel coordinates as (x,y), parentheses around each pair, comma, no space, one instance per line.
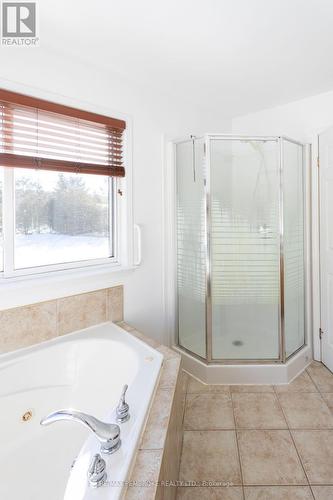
(245,253)
(293,246)
(240,248)
(191,246)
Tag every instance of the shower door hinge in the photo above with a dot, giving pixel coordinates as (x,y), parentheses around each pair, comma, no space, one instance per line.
(320,333)
(318,162)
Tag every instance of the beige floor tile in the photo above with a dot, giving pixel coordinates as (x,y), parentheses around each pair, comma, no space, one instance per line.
(302,383)
(268,457)
(306,411)
(321,376)
(328,396)
(251,388)
(258,411)
(323,492)
(278,493)
(208,411)
(316,451)
(213,493)
(197,387)
(315,364)
(210,456)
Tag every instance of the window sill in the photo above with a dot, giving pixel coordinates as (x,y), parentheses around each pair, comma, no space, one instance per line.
(24,290)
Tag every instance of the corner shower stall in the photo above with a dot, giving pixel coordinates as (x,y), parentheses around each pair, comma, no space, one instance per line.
(240,248)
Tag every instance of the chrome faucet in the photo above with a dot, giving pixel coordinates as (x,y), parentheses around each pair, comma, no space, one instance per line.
(107,434)
(122,410)
(97,471)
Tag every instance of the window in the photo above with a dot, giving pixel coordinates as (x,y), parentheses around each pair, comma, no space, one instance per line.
(59,169)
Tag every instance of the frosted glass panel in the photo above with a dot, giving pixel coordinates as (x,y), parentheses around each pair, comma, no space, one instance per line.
(293,246)
(245,249)
(255,252)
(191,273)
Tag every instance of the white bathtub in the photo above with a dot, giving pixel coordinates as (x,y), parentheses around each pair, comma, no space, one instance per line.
(85,370)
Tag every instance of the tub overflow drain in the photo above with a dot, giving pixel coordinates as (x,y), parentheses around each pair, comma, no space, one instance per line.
(238,343)
(26,416)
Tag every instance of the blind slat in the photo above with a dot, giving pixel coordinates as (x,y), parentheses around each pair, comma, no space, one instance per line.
(30,162)
(38,134)
(59,156)
(42,150)
(67,133)
(53,143)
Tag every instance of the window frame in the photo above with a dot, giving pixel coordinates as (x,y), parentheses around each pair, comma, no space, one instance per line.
(9,230)
(21,290)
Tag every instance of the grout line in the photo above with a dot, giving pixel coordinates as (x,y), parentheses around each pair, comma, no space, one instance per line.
(312,493)
(283,486)
(217,429)
(237,429)
(237,444)
(322,484)
(322,366)
(275,485)
(307,428)
(178,387)
(320,392)
(279,485)
(181,455)
(292,438)
(184,411)
(312,380)
(183,431)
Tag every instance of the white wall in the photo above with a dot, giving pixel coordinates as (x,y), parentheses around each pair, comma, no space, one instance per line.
(301,120)
(154,118)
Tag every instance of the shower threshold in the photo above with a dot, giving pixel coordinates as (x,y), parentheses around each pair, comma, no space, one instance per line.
(244,372)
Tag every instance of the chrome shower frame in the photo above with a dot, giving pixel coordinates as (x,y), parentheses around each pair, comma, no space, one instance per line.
(282,357)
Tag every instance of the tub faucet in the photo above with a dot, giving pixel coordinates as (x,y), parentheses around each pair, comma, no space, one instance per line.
(107,434)
(96,472)
(122,410)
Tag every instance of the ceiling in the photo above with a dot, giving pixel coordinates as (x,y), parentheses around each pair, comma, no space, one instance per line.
(230,56)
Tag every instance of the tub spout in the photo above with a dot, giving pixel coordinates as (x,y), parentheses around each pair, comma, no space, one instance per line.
(107,434)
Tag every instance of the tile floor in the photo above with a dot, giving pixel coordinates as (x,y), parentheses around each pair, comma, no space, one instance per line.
(259,442)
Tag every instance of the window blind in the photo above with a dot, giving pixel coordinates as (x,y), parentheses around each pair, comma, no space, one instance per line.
(38,134)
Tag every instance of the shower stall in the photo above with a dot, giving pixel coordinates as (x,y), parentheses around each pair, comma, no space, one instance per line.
(240,248)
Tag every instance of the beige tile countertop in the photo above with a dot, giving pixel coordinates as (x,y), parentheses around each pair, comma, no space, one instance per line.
(163,428)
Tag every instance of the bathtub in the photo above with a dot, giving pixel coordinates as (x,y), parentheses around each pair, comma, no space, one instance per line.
(85,370)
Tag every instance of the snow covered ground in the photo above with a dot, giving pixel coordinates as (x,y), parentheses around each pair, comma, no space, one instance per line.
(45,249)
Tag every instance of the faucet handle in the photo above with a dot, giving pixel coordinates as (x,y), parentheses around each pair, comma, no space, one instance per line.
(122,410)
(96,472)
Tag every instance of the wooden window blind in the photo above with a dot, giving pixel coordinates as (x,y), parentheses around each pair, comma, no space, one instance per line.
(38,134)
